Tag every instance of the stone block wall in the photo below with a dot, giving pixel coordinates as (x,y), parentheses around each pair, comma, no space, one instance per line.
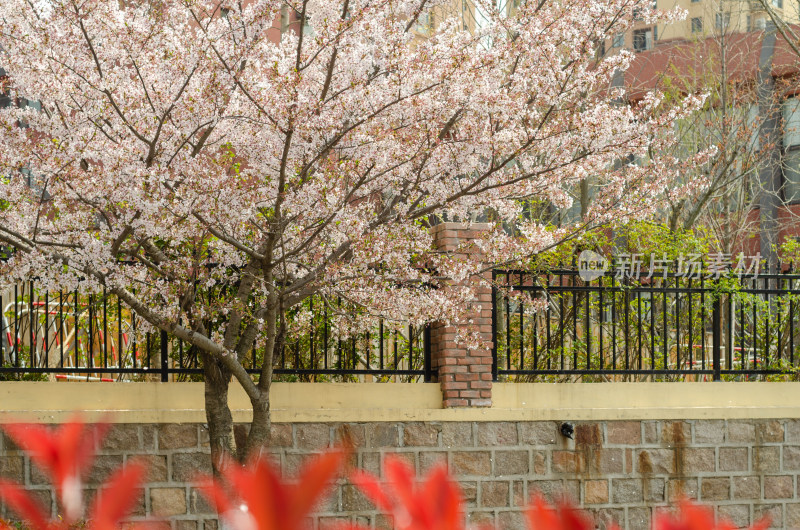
(618,470)
(174,453)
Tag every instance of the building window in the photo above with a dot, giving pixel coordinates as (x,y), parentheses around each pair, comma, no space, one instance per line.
(424,23)
(601,49)
(722,20)
(777,3)
(791,175)
(618,41)
(5,100)
(791,146)
(761,23)
(643,39)
(697,25)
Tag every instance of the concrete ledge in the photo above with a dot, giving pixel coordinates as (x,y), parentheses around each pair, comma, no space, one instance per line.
(641,401)
(379,402)
(184,402)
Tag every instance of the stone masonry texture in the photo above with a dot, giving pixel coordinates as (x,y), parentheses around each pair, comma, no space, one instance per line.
(620,471)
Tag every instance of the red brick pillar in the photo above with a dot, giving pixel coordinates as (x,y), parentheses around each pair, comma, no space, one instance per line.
(465,374)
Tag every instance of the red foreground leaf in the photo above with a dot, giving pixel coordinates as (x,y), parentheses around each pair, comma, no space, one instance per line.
(263,501)
(541,516)
(691,516)
(117,498)
(21,502)
(436,504)
(65,454)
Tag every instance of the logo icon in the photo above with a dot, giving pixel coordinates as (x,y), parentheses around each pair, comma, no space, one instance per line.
(591,265)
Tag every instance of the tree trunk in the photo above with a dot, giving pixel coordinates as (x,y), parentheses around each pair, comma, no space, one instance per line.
(770,173)
(258,438)
(218,413)
(223,439)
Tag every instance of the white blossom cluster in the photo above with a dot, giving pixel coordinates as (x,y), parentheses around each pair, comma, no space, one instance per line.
(187,144)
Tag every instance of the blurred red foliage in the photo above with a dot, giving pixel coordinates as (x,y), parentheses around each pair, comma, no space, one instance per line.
(255,497)
(66,454)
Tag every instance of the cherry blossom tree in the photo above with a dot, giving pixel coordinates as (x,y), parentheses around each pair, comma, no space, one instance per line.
(309,158)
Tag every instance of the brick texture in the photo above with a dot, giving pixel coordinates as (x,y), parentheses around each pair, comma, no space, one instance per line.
(465,374)
(619,471)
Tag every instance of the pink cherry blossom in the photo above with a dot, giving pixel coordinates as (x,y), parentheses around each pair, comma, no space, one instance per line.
(184,144)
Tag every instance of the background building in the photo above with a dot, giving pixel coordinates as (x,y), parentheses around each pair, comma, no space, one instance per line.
(705,18)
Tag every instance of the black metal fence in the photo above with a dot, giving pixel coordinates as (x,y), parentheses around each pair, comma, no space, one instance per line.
(553,326)
(70,335)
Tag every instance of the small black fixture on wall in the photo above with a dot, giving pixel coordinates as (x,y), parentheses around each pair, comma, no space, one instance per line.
(567,429)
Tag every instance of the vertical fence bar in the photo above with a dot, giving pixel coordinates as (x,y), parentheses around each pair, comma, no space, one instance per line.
(494,330)
(729,332)
(120,350)
(181,361)
(60,326)
(105,328)
(521,332)
(15,338)
(665,323)
(90,340)
(535,332)
(574,323)
(691,330)
(677,324)
(613,326)
(427,345)
(588,330)
(507,316)
(639,326)
(368,346)
(410,347)
(754,284)
(395,347)
(3,337)
(325,336)
(742,330)
(791,326)
(766,322)
(652,307)
(3,334)
(164,358)
(380,343)
(31,324)
(548,318)
(311,349)
(561,316)
(75,324)
(46,335)
(716,325)
(703,322)
(134,342)
(627,335)
(600,318)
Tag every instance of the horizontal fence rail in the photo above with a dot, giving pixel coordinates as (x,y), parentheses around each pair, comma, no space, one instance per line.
(554,326)
(96,337)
